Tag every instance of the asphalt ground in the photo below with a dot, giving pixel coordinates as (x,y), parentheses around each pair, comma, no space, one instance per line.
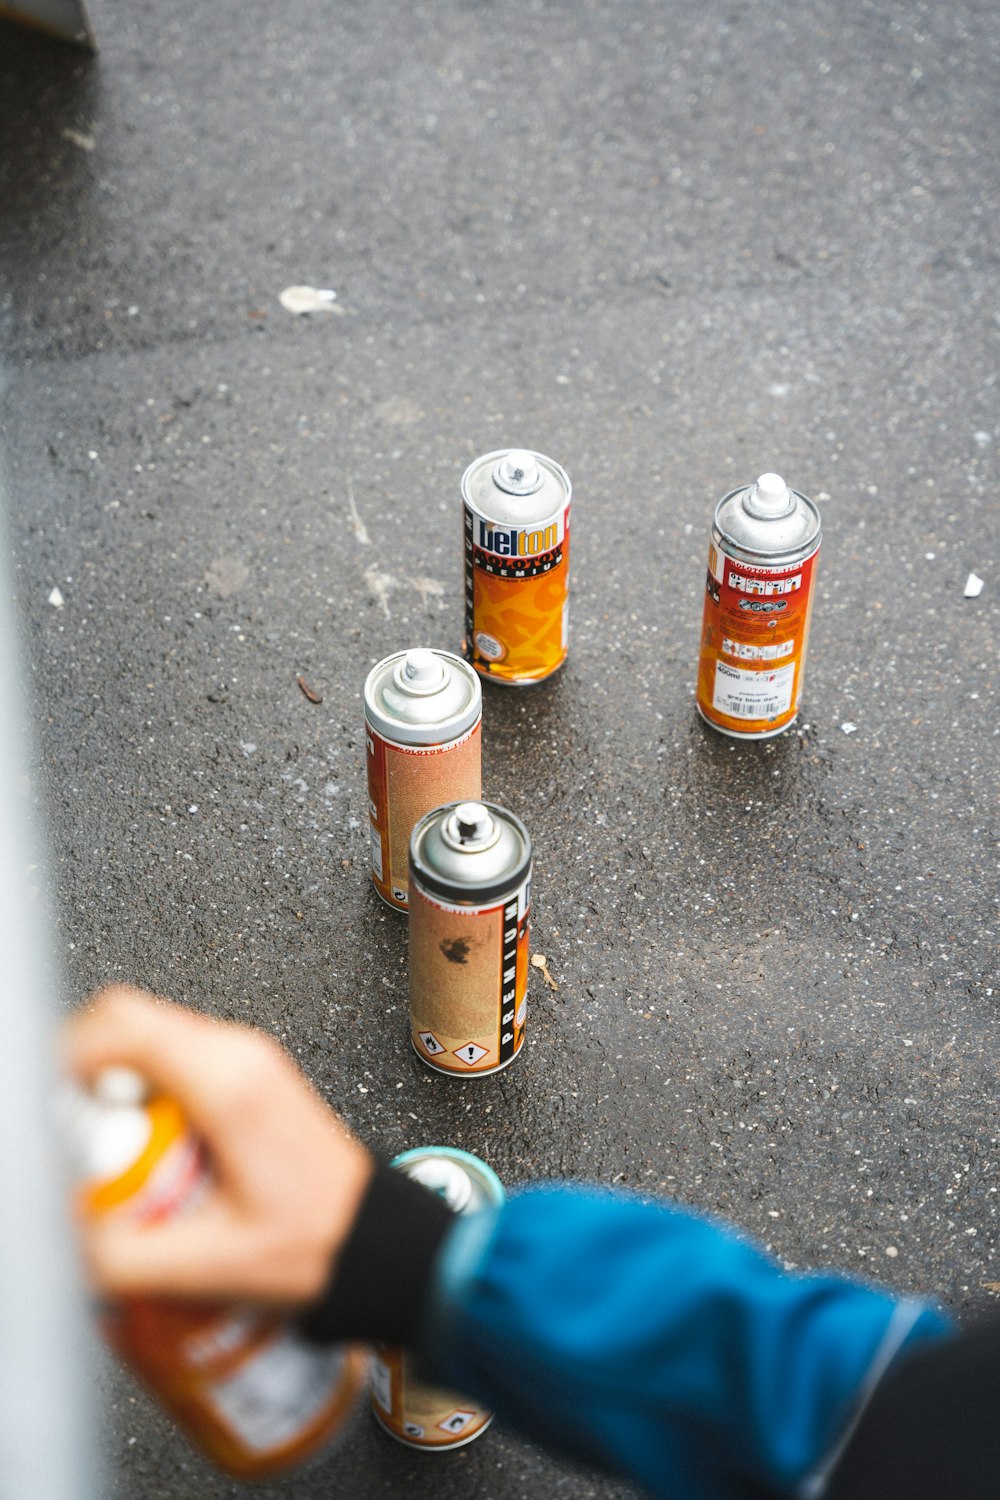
(672,247)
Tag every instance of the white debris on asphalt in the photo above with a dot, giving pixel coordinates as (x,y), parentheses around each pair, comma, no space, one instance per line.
(539,961)
(428,588)
(973,586)
(380,585)
(357,525)
(307,299)
(848,727)
(56,599)
(81,138)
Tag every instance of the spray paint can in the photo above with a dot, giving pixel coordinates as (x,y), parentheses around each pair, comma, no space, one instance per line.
(470,894)
(758,602)
(251,1394)
(419,1415)
(423,729)
(517,507)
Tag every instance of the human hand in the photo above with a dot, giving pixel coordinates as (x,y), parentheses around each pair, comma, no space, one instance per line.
(287,1175)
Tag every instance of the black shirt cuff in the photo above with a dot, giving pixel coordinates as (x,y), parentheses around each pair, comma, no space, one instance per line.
(377,1290)
(930,1430)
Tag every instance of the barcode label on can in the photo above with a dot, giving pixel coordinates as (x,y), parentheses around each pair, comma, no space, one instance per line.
(753,695)
(381,1383)
(275,1396)
(376,843)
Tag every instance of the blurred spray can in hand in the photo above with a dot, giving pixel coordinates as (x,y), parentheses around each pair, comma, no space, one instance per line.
(244,1387)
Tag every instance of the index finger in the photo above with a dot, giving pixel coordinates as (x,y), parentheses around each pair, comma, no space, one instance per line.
(195,1059)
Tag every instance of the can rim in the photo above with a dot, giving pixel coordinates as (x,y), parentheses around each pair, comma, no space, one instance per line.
(489,459)
(440,732)
(489,891)
(418,1447)
(496,1190)
(743,550)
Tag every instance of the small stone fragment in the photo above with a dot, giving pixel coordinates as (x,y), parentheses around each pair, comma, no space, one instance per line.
(307,299)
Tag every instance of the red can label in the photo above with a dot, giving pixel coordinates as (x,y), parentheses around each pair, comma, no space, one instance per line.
(406,781)
(755,631)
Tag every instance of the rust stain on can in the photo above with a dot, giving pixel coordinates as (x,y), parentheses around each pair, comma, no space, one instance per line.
(455,950)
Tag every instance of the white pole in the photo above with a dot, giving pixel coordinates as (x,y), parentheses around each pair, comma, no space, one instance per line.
(47,1423)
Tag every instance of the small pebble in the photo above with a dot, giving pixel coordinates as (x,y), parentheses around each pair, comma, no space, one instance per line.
(307,299)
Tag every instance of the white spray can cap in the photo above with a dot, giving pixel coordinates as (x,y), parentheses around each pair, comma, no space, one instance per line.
(107,1125)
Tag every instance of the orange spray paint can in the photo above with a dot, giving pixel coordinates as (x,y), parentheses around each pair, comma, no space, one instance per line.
(470,899)
(758,603)
(423,733)
(516,513)
(245,1388)
(417,1414)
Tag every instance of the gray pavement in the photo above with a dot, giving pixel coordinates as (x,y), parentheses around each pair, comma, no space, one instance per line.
(671,246)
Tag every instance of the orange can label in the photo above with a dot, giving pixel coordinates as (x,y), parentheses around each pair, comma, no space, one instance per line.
(516,597)
(406,781)
(468,981)
(255,1398)
(420,1415)
(754,635)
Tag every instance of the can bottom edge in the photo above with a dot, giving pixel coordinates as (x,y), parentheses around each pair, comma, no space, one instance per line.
(478,1073)
(430,1447)
(403,911)
(734,734)
(517,682)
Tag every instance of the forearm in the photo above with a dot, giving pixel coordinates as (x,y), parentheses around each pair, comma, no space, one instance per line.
(661,1345)
(634,1336)
(630,1334)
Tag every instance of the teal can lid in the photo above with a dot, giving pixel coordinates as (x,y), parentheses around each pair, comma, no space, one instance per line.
(463,1181)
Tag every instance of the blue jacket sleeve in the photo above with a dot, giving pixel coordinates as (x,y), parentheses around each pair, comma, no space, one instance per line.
(657,1344)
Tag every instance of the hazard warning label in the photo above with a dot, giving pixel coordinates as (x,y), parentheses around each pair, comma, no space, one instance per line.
(470,1052)
(458,1421)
